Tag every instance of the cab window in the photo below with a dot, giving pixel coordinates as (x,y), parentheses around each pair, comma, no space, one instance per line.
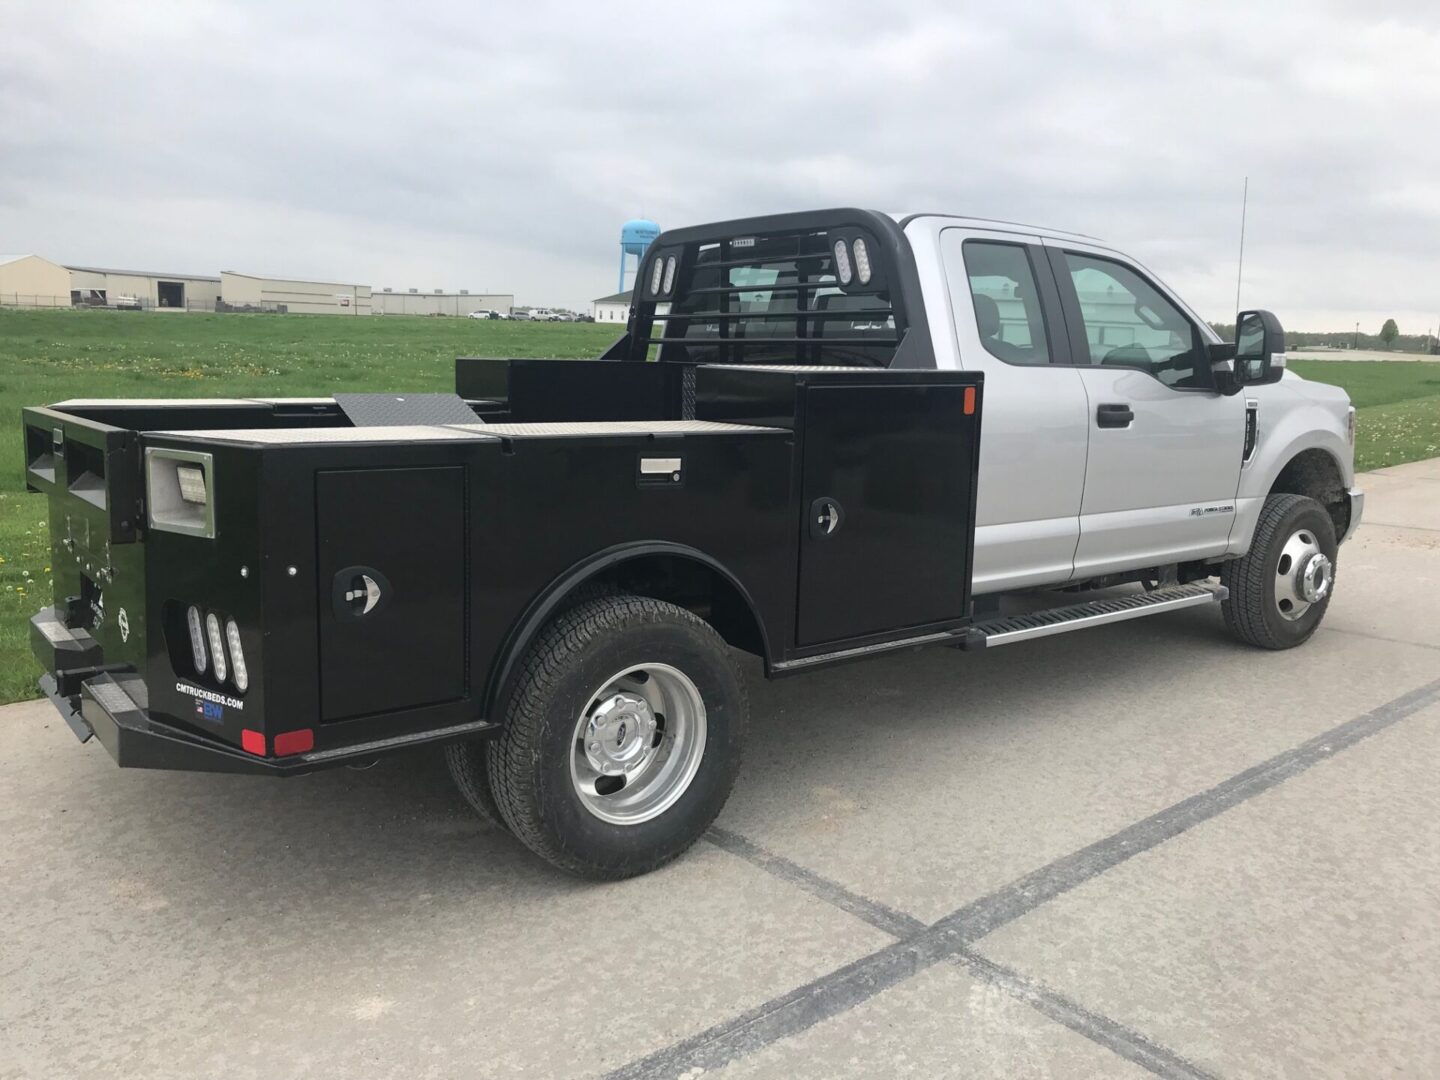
(1005,301)
(1129,323)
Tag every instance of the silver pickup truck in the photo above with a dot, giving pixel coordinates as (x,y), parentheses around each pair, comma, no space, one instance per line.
(1116,439)
(823,436)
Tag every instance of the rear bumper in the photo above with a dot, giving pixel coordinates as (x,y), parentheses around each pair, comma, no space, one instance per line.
(110,706)
(106,709)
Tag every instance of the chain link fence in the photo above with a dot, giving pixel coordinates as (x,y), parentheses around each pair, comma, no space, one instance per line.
(28,302)
(21,300)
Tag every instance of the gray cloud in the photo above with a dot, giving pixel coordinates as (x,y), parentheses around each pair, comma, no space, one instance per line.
(488,146)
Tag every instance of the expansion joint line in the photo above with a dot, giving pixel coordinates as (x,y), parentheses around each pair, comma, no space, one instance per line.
(950,939)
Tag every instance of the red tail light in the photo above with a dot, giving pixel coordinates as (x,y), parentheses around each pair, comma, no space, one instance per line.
(294,742)
(252,742)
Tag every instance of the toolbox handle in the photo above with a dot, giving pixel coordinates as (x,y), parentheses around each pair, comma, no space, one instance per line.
(826,517)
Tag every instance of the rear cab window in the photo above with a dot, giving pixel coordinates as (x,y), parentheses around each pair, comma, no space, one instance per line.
(1006,301)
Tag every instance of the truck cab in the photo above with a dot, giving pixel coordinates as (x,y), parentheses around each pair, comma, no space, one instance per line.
(1115,439)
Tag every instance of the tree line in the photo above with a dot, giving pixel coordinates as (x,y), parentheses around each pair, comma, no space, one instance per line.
(1388,337)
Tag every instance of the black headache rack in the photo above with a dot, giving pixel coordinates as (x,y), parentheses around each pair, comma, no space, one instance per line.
(763,290)
(373,570)
(822,287)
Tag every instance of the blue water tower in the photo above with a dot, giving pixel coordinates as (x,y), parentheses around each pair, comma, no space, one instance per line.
(635,237)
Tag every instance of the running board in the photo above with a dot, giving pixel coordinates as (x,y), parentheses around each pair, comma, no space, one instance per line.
(1008,629)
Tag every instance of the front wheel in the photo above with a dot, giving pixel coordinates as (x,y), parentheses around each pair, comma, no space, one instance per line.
(1281,587)
(622,737)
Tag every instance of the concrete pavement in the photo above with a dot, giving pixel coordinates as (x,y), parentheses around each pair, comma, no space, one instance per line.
(1141,849)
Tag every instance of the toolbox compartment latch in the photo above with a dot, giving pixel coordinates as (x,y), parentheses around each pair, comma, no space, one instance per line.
(356,591)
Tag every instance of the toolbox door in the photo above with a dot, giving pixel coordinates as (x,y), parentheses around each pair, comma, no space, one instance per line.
(887,485)
(391,589)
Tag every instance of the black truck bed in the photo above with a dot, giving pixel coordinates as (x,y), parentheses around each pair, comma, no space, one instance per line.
(477,531)
(769,445)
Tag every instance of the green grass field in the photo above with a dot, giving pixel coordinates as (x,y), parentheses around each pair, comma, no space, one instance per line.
(1397,407)
(49,356)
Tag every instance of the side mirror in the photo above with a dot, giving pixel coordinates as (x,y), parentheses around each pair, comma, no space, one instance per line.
(1259,349)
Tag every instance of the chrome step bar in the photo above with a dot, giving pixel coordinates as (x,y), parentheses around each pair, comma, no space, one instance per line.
(1008,629)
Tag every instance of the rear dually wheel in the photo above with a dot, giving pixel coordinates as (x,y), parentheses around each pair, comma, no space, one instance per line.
(622,737)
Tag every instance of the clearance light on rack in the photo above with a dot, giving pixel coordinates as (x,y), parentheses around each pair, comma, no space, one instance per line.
(862,261)
(842,263)
(655,277)
(669,274)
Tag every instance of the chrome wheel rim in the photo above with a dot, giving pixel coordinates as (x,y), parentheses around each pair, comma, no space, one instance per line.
(638,744)
(1304,575)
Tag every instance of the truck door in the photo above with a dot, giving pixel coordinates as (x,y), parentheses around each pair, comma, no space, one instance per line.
(1007,323)
(1165,447)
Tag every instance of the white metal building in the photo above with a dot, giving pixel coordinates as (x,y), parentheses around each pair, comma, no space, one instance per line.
(30,281)
(93,286)
(296,297)
(439,302)
(612,309)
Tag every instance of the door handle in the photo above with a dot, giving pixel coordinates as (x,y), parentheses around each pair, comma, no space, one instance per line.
(825,517)
(1113,416)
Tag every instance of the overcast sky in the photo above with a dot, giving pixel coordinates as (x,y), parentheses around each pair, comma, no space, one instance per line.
(500,147)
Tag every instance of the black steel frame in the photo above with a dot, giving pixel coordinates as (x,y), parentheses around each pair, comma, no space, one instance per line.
(895,274)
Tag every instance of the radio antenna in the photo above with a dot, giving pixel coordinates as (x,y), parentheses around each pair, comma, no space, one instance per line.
(1240,269)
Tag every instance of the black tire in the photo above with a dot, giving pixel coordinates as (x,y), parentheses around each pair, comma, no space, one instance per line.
(466,761)
(529,764)
(1251,612)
